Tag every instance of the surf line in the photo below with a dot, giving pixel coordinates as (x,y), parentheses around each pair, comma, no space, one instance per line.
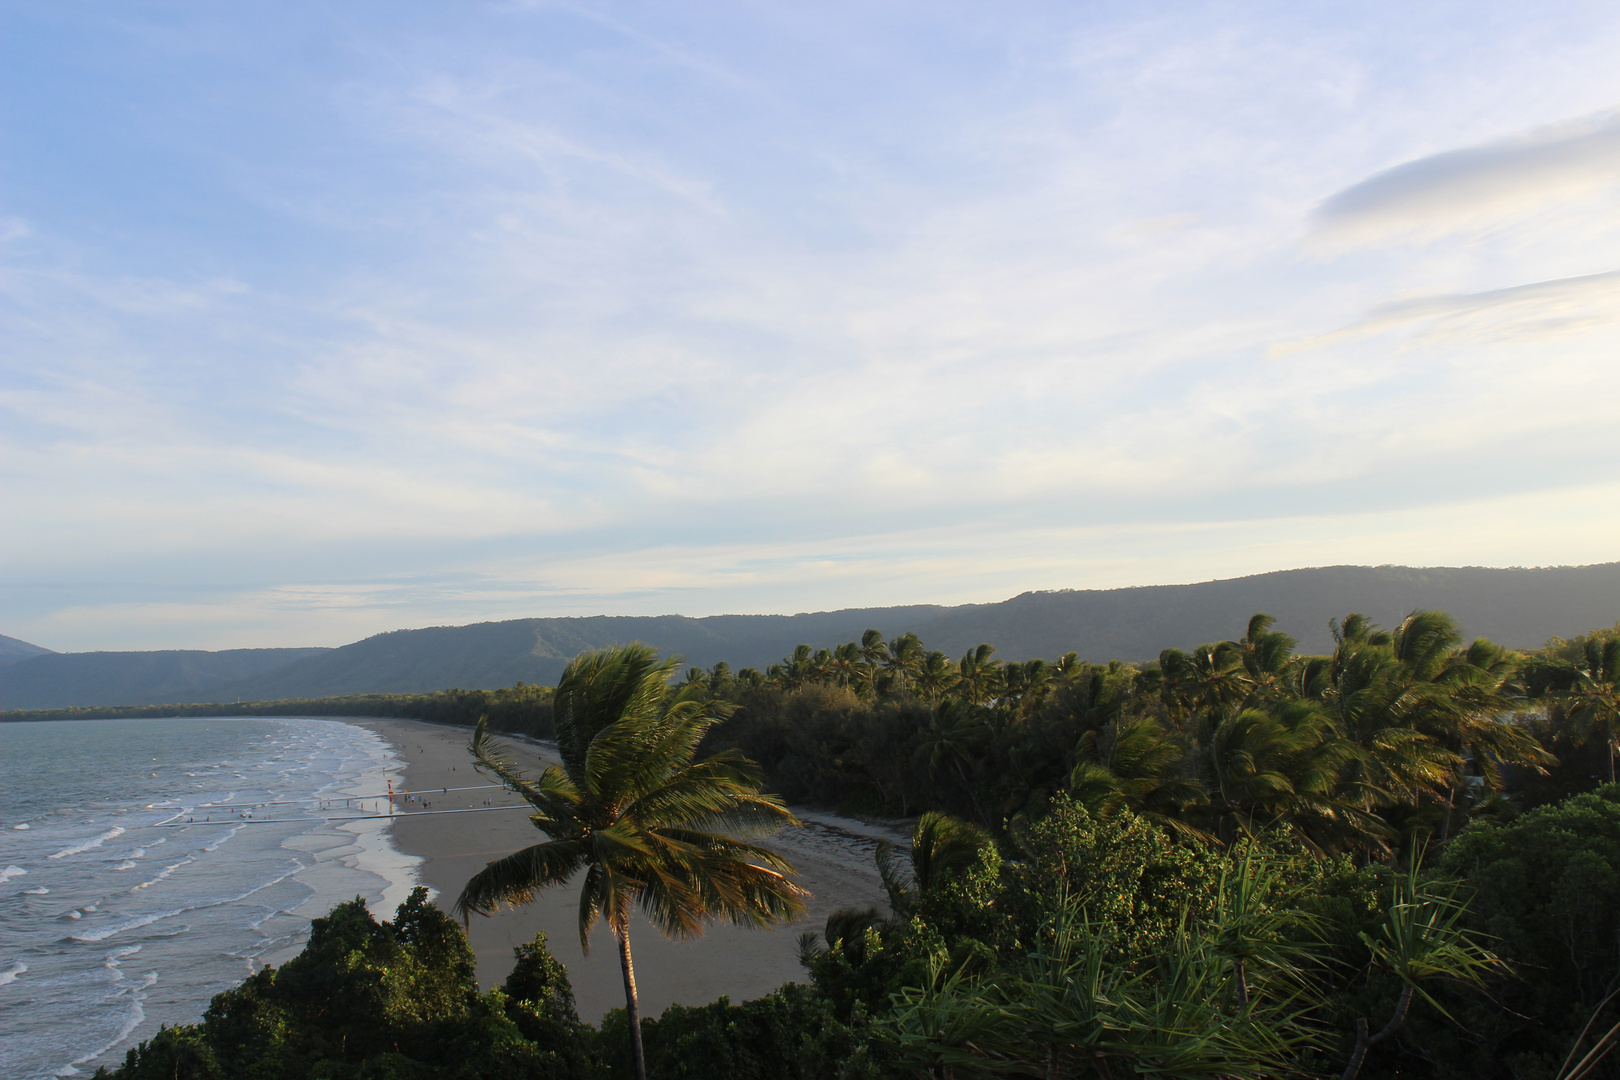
(358,817)
(330,799)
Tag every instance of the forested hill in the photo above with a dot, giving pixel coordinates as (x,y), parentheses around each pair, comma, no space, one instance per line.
(1521,608)
(1517,608)
(135,678)
(12,650)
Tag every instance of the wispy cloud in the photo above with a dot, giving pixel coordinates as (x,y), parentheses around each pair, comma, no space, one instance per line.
(1476,187)
(531,308)
(1538,312)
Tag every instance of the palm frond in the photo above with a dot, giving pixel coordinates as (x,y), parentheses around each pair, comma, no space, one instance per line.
(516,878)
(552,793)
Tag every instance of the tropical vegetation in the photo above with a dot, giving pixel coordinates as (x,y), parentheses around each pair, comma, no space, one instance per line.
(637,816)
(1400,859)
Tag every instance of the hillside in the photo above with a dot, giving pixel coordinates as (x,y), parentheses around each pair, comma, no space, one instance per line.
(1521,608)
(12,650)
(489,655)
(134,678)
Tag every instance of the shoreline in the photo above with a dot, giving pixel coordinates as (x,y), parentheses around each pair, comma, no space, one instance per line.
(833,856)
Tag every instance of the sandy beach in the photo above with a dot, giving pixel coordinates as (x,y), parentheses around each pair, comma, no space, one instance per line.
(833,856)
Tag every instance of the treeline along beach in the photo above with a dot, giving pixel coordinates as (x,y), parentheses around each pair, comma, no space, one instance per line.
(1399,858)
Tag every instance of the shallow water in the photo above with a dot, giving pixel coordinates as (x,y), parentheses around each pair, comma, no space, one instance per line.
(146,865)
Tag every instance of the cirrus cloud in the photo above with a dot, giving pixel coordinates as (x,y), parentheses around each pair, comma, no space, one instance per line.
(1474,187)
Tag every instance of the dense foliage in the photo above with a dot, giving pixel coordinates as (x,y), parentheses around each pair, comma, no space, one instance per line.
(1397,734)
(1078,947)
(1401,859)
(377,1001)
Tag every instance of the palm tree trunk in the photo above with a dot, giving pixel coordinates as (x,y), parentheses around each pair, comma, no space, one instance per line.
(1364,1041)
(631,1007)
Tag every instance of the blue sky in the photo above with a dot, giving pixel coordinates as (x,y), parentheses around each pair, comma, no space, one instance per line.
(323,319)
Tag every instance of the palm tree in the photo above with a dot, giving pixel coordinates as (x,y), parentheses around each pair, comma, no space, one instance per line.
(1594,700)
(936,676)
(1380,698)
(904,657)
(1288,770)
(978,675)
(845,662)
(942,848)
(1266,652)
(955,737)
(1137,764)
(648,824)
(796,670)
(874,652)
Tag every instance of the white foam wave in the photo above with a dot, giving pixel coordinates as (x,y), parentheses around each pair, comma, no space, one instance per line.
(10,872)
(167,870)
(41,891)
(136,1016)
(10,974)
(19,826)
(115,959)
(134,924)
(127,864)
(86,845)
(215,846)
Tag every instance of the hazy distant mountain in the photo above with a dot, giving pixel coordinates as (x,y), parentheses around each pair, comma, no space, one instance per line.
(134,678)
(12,650)
(495,654)
(1521,608)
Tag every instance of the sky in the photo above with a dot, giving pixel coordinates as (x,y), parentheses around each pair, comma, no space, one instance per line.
(323,319)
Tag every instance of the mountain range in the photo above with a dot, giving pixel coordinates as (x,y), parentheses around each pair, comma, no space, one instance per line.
(1517,607)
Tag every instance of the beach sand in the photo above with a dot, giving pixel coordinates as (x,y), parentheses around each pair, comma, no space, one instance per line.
(833,856)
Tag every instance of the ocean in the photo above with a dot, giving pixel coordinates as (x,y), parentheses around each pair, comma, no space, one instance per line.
(147,865)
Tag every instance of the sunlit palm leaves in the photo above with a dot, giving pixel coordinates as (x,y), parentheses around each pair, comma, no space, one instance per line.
(1135,764)
(1287,770)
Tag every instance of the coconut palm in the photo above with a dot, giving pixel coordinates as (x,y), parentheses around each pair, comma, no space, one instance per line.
(936,676)
(1135,764)
(1381,698)
(1287,770)
(978,675)
(905,656)
(1594,700)
(845,662)
(649,824)
(955,738)
(1209,682)
(1266,653)
(942,848)
(796,670)
(875,652)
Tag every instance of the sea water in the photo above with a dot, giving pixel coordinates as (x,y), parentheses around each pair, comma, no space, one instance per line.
(146,865)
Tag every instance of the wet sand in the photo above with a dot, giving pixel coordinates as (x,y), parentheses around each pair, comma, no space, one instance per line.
(833,856)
